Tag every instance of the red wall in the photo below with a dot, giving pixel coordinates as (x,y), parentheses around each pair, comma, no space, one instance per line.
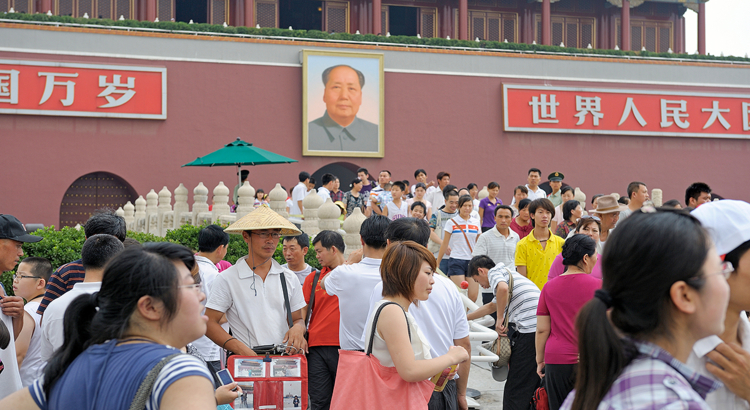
(435,122)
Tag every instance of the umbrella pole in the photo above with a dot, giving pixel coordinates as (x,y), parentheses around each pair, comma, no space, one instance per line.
(239,179)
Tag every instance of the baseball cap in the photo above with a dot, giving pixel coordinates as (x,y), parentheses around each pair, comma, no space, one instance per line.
(727,222)
(12,228)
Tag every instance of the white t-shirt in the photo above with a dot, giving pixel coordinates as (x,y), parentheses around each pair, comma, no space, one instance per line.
(539,193)
(301,274)
(380,350)
(720,398)
(435,197)
(298,193)
(52,324)
(254,307)
(441,318)
(459,248)
(324,193)
(208,272)
(32,366)
(353,285)
(396,212)
(10,378)
(523,302)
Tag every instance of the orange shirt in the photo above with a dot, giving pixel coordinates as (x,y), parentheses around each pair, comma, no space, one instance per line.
(324,319)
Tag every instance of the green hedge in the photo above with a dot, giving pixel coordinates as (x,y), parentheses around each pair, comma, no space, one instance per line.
(64,245)
(360,38)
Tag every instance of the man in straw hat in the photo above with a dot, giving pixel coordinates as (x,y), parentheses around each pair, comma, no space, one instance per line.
(608,211)
(251,292)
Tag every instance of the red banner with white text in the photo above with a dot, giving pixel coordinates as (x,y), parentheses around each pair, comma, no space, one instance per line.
(82,90)
(625,112)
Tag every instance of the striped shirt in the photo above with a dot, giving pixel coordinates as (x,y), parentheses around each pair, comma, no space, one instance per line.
(63,280)
(523,302)
(655,380)
(107,377)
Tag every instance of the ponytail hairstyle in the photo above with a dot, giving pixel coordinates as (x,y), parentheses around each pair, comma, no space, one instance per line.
(644,257)
(132,274)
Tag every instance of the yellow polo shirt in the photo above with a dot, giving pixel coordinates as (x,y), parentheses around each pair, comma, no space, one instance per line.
(529,253)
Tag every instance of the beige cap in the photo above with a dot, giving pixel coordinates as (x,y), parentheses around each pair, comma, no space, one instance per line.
(263,217)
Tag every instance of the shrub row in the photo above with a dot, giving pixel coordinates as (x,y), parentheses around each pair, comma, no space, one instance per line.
(360,38)
(64,245)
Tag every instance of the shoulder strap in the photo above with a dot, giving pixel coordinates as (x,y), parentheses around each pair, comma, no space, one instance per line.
(286,299)
(463,232)
(312,297)
(375,325)
(510,296)
(144,390)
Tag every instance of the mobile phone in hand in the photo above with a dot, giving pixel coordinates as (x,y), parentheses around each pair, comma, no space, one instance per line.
(225,378)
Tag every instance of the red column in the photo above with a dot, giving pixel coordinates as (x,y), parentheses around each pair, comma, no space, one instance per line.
(150,10)
(463,20)
(376,16)
(249,6)
(702,28)
(625,25)
(546,24)
(46,5)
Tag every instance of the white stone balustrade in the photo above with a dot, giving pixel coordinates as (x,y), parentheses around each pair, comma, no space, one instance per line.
(182,213)
(245,200)
(200,204)
(165,215)
(352,225)
(311,203)
(221,202)
(657,197)
(129,216)
(328,216)
(277,200)
(139,219)
(483,193)
(152,210)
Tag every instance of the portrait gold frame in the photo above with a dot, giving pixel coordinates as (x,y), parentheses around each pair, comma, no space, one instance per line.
(305,54)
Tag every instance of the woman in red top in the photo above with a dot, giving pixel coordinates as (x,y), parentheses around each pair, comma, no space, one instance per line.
(522,223)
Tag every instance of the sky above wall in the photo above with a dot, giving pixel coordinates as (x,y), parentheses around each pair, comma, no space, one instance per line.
(727,28)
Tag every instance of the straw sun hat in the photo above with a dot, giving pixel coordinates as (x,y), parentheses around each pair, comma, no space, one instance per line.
(263,217)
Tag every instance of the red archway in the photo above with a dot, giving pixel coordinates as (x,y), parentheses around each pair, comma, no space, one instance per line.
(91,192)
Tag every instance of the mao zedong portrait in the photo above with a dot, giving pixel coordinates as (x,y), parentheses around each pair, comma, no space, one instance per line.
(339,129)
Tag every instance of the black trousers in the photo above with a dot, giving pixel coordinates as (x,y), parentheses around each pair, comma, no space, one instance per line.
(559,380)
(522,378)
(322,362)
(446,399)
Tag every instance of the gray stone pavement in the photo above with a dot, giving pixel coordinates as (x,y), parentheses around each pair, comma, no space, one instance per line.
(480,378)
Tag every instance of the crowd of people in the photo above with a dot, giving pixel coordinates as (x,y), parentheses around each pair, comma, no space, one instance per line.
(623,305)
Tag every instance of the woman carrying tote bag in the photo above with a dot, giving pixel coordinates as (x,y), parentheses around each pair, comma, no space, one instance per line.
(395,369)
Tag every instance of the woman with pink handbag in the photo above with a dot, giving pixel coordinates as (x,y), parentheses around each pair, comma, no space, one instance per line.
(395,369)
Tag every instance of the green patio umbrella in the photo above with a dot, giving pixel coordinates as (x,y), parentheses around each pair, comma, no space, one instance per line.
(239,153)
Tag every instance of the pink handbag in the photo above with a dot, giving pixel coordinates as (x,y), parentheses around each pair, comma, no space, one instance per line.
(363,383)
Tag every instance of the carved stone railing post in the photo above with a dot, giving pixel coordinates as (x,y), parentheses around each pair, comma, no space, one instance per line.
(152,210)
(200,203)
(139,223)
(277,200)
(221,202)
(120,212)
(483,193)
(129,216)
(245,200)
(311,203)
(181,207)
(328,216)
(352,224)
(165,213)
(657,197)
